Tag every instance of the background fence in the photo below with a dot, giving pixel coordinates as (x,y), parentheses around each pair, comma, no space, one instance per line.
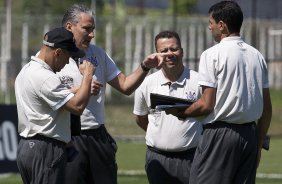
(129,39)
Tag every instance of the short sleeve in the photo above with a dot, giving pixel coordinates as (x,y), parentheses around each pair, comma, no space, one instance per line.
(140,105)
(54,93)
(265,75)
(207,70)
(111,68)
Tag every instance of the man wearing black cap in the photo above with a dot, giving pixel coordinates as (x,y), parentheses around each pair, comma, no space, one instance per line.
(44,105)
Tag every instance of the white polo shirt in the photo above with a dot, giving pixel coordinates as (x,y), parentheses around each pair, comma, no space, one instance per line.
(167,132)
(40,96)
(239,73)
(106,70)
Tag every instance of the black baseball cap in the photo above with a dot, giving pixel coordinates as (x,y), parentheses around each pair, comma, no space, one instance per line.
(62,38)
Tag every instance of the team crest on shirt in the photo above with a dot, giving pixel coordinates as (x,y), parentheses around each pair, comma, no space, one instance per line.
(191,95)
(93,60)
(67,81)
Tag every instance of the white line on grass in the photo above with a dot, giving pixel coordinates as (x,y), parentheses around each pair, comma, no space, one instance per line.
(142,172)
(259,175)
(269,175)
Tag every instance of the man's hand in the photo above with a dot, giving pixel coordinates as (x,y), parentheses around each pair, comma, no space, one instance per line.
(155,60)
(176,112)
(87,68)
(95,87)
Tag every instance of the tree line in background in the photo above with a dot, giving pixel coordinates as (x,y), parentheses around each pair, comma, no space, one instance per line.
(102,7)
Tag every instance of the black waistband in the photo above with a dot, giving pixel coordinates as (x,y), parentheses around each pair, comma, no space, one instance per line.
(221,124)
(44,138)
(170,153)
(94,130)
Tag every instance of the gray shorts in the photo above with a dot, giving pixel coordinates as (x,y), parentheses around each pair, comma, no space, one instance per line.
(41,160)
(168,167)
(226,153)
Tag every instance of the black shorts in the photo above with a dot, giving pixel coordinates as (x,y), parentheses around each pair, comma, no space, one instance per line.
(96,159)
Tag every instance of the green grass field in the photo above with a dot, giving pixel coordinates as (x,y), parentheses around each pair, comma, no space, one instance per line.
(131,154)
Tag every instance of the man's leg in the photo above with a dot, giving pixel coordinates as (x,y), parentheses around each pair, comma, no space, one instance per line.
(41,161)
(168,167)
(102,151)
(78,170)
(220,153)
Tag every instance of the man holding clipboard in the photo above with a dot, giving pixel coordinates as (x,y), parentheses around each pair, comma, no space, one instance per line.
(171,142)
(165,103)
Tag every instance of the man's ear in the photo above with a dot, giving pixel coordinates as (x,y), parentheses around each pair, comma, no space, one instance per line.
(58,51)
(221,25)
(68,26)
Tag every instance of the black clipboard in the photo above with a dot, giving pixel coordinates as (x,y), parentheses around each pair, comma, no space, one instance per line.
(163,100)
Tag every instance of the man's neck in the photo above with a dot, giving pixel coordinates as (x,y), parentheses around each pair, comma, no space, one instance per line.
(43,55)
(229,35)
(173,75)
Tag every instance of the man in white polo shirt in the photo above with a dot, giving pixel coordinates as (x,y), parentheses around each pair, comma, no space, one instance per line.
(44,105)
(171,142)
(96,161)
(235,101)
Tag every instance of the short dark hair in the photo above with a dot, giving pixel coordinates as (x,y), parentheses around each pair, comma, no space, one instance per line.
(167,34)
(73,13)
(230,13)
